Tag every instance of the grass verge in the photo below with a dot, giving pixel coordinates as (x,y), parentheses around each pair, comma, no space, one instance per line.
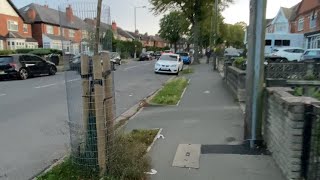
(129,160)
(187,71)
(170,94)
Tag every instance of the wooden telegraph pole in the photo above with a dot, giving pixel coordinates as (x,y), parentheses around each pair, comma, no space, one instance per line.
(98,96)
(108,103)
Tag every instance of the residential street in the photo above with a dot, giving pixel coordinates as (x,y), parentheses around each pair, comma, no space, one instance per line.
(34,130)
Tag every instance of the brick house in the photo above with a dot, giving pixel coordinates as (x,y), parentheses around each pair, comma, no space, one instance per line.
(15,32)
(55,29)
(306,21)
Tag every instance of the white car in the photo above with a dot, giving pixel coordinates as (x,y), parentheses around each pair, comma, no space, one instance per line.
(290,53)
(169,63)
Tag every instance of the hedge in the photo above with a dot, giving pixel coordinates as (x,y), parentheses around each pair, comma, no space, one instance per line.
(39,52)
(7,52)
(127,48)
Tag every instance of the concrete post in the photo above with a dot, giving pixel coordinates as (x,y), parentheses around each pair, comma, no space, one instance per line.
(255,71)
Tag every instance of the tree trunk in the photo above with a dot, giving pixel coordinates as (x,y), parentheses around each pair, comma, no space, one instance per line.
(175,47)
(196,32)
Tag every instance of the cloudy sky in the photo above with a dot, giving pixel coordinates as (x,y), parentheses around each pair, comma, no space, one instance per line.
(122,11)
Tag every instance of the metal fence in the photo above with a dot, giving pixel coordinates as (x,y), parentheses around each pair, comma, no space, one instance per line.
(292,70)
(311,144)
(89,83)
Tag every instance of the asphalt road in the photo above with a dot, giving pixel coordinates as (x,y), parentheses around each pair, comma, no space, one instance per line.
(35,118)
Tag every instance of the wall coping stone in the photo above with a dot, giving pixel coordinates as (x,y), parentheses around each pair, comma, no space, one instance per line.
(237,70)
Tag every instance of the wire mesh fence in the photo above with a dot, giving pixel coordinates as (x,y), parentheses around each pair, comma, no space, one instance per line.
(89,82)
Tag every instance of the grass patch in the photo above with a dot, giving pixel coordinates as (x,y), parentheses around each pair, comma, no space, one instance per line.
(170,94)
(187,71)
(129,160)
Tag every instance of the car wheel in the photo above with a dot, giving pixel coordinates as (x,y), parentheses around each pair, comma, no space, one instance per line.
(52,70)
(23,74)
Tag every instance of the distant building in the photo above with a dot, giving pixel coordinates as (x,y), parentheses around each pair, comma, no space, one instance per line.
(307,22)
(53,28)
(15,32)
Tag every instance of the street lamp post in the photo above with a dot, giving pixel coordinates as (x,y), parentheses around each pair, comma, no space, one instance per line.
(135,16)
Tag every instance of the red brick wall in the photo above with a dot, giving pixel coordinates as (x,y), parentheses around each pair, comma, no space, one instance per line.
(306,27)
(78,36)
(308,5)
(4,25)
(37,30)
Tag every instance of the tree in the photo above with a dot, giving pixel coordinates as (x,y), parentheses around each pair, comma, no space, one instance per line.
(173,26)
(107,40)
(194,10)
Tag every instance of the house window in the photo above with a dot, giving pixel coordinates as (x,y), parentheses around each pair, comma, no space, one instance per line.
(278,42)
(84,34)
(71,33)
(286,42)
(281,27)
(49,29)
(25,28)
(268,42)
(313,19)
(1,44)
(300,24)
(13,25)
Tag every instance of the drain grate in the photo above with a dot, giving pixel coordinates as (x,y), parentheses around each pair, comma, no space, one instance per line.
(242,149)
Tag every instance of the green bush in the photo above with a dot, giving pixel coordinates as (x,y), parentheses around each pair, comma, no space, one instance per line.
(126,49)
(239,63)
(7,52)
(41,52)
(24,51)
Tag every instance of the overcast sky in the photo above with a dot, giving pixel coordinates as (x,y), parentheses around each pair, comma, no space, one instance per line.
(122,11)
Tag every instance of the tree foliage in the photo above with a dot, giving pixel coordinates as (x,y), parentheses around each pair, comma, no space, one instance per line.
(173,26)
(195,11)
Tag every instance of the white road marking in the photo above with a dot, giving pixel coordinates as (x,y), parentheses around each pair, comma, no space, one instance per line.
(48,85)
(2,95)
(136,66)
(184,91)
(73,80)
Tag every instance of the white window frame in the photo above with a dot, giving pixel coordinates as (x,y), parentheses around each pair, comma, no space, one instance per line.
(25,28)
(49,29)
(72,33)
(301,24)
(13,25)
(1,44)
(314,20)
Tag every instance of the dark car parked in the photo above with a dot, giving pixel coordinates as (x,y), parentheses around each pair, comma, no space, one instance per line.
(311,55)
(23,66)
(157,54)
(75,64)
(145,57)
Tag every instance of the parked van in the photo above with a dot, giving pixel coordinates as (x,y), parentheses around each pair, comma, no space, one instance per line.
(281,41)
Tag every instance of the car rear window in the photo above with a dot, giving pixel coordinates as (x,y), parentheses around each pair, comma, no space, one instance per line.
(168,58)
(6,59)
(183,54)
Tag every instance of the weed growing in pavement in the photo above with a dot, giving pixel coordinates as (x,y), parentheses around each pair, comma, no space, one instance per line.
(129,161)
(170,94)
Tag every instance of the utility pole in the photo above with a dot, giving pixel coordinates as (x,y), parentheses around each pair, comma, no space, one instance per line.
(216,11)
(255,71)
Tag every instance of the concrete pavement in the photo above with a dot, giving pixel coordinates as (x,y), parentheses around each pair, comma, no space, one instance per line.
(207,115)
(34,128)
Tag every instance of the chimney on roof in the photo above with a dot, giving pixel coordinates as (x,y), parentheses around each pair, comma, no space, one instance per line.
(31,14)
(114,26)
(136,32)
(69,14)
